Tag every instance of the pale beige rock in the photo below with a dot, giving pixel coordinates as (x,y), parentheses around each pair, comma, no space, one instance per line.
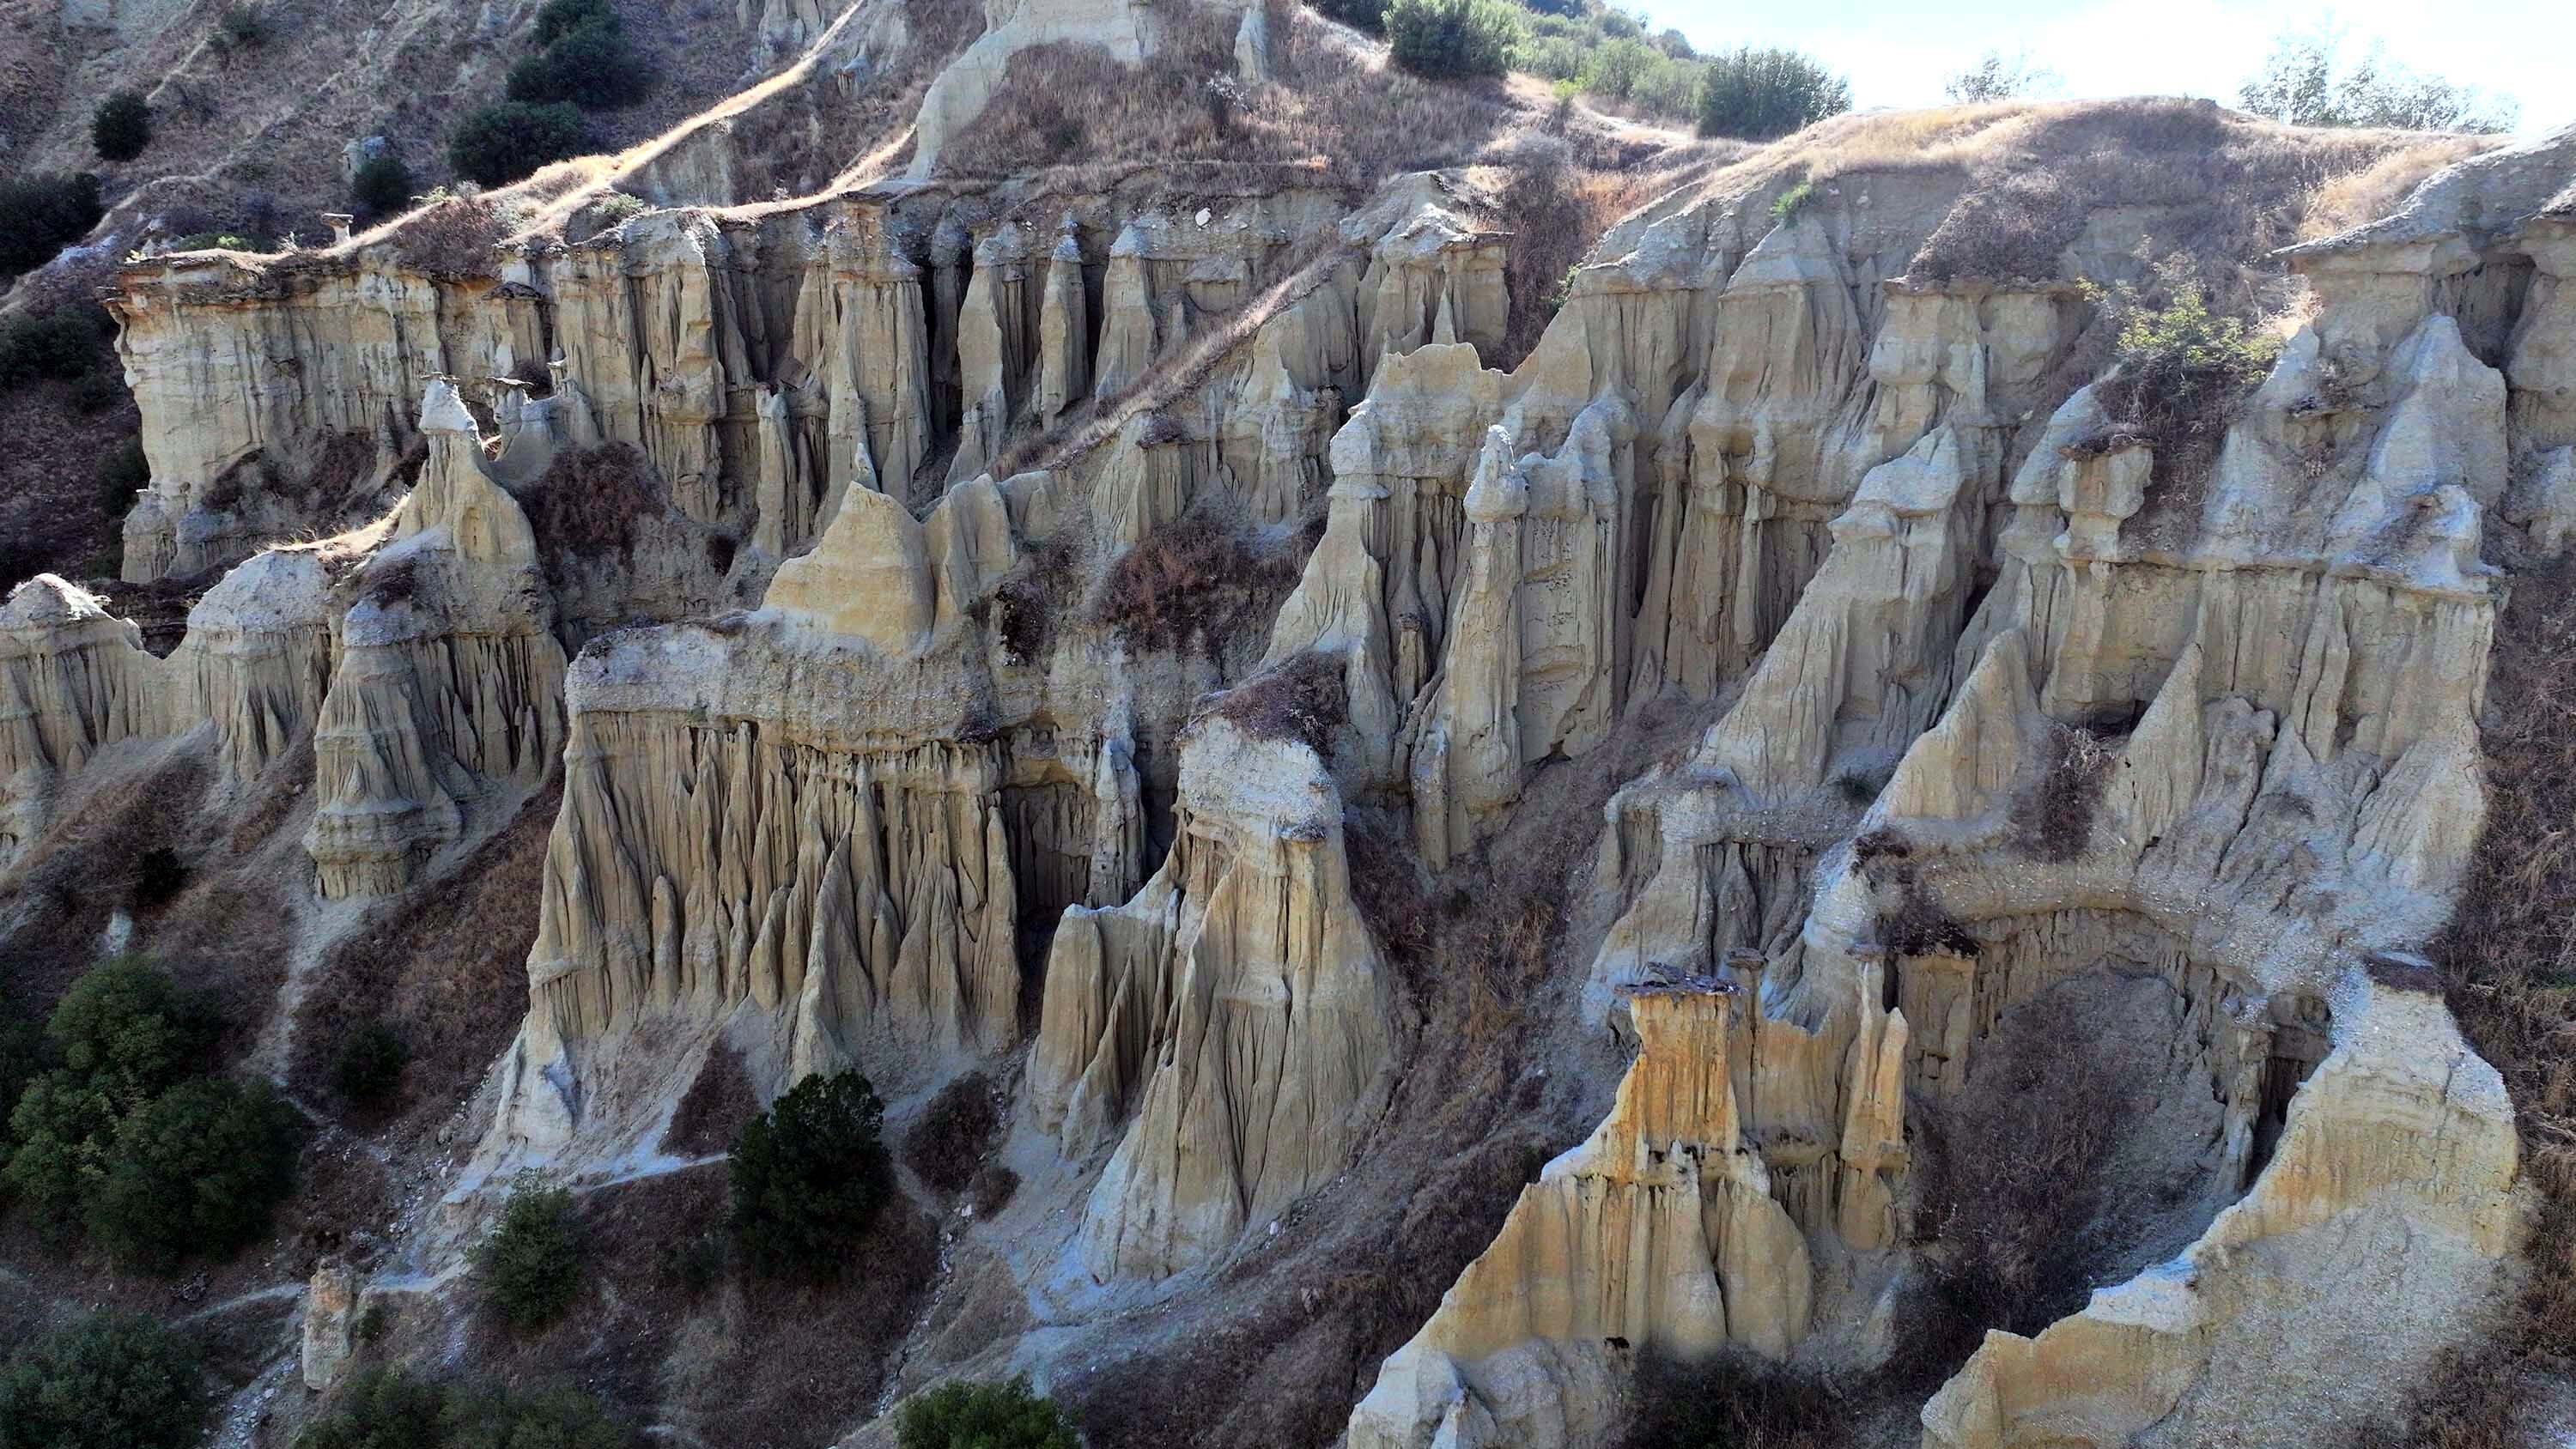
(330,1323)
(1237,1006)
(444,691)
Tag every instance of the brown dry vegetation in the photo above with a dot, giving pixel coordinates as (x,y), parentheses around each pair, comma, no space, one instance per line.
(1303,697)
(443,965)
(1199,580)
(60,892)
(2052,816)
(714,1109)
(2508,961)
(588,504)
(946,1145)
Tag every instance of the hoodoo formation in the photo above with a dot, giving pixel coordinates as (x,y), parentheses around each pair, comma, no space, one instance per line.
(1463,772)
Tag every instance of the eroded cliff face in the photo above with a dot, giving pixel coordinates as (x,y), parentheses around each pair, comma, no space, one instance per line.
(1050,622)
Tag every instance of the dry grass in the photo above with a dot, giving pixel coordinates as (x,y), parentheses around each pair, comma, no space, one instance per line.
(947,1144)
(1739,1399)
(1303,697)
(2374,191)
(2509,964)
(457,238)
(443,965)
(68,881)
(714,1110)
(2052,816)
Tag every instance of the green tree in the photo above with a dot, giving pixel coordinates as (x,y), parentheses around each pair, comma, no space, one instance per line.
(368,1070)
(59,1135)
(501,143)
(962,1415)
(559,18)
(198,1170)
(382,185)
(809,1175)
(128,1030)
(40,215)
(121,126)
(1760,95)
(532,1264)
(2305,83)
(109,1381)
(593,67)
(1368,15)
(383,1409)
(1452,39)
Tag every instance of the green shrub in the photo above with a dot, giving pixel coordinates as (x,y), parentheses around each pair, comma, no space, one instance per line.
(65,342)
(501,143)
(121,126)
(1759,95)
(384,1409)
(1452,39)
(128,1030)
(593,67)
(961,1415)
(1368,15)
(109,1381)
(560,18)
(159,876)
(199,1169)
(368,1070)
(531,1264)
(240,29)
(41,215)
(809,1175)
(382,186)
(122,472)
(2181,372)
(1786,204)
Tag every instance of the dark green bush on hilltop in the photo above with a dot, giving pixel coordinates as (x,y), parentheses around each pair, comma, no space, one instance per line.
(1452,39)
(1761,95)
(382,186)
(121,126)
(41,215)
(502,142)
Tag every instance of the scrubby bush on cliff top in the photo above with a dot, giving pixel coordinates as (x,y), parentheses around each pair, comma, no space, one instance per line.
(809,1176)
(502,142)
(985,1416)
(109,1381)
(1448,39)
(1760,95)
(41,215)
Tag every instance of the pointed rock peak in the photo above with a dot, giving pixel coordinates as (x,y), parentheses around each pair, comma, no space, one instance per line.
(1795,253)
(1498,491)
(867,579)
(442,411)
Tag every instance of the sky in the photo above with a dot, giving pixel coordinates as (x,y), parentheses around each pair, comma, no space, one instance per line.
(1899,55)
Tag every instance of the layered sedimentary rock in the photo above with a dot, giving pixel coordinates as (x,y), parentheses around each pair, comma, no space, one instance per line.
(449,683)
(1235,1008)
(2270,689)
(251,672)
(1660,1233)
